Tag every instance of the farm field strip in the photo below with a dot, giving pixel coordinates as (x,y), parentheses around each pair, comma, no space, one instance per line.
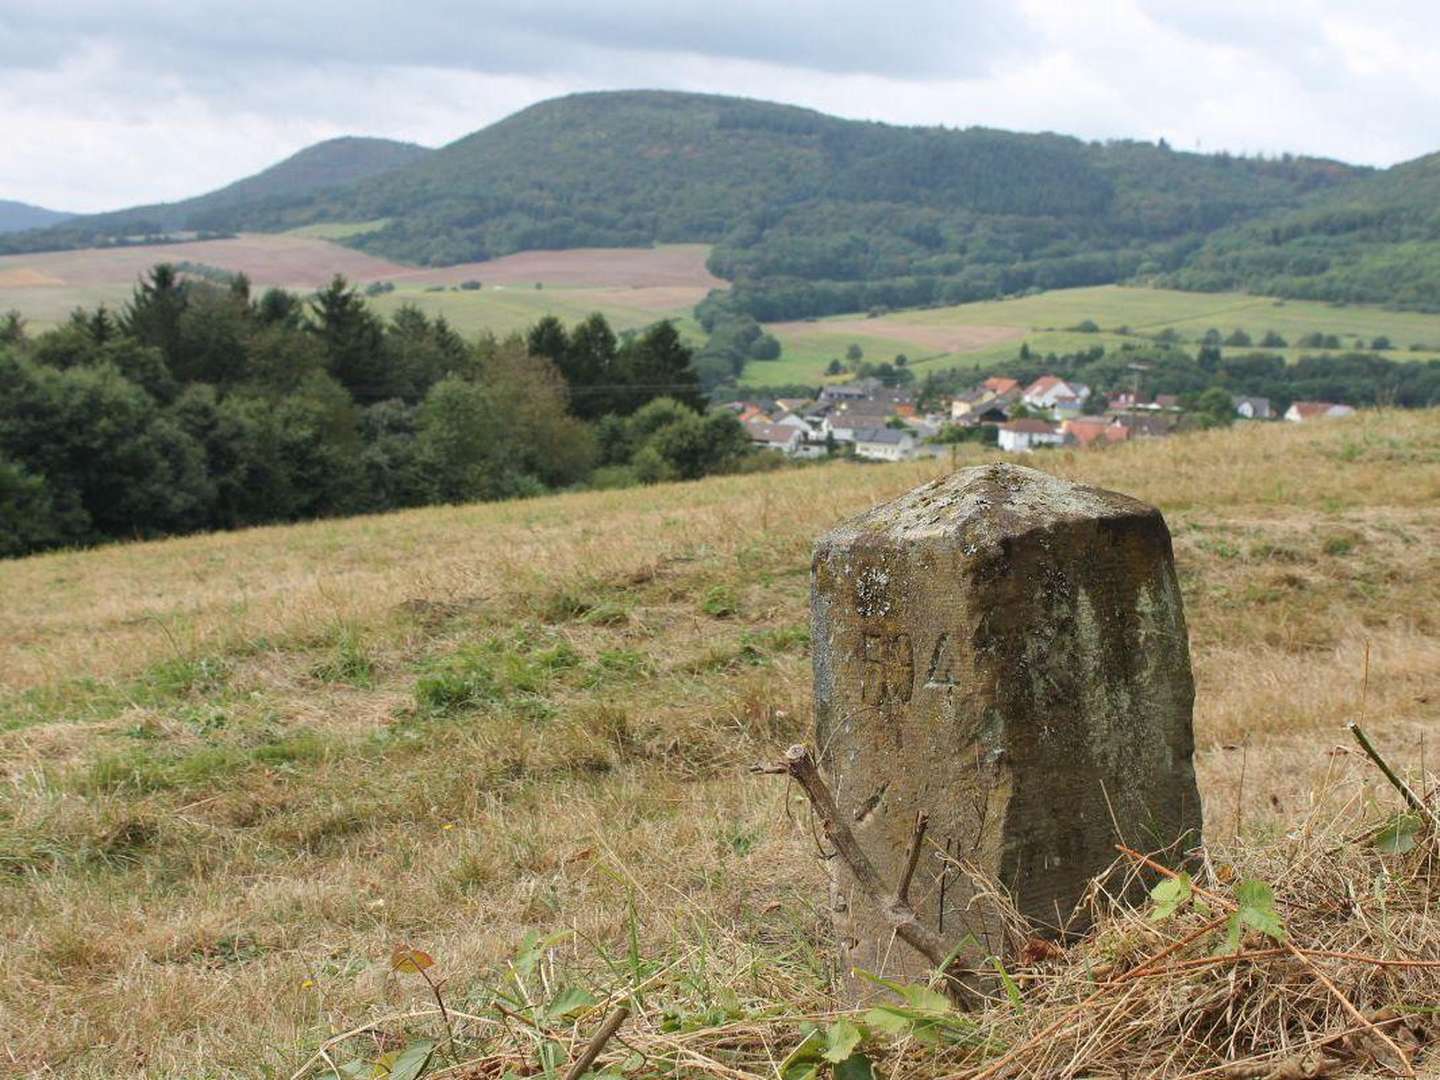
(1045,322)
(640,285)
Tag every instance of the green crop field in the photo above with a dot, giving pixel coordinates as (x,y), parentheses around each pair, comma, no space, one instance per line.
(340,230)
(956,336)
(503,309)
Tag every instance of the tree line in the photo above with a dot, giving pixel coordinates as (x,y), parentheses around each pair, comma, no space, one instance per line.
(200,406)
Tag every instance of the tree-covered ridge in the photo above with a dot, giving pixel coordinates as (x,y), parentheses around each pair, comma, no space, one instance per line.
(810,214)
(1375,240)
(793,198)
(336,162)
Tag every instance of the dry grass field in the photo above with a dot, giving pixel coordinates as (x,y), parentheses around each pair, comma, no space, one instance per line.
(241,769)
(634,285)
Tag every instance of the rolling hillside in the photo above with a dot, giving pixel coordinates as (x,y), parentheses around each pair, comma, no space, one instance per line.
(331,164)
(17,216)
(810,214)
(242,768)
(1375,240)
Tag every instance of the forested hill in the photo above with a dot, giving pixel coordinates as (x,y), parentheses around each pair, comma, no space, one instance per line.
(1375,240)
(15,216)
(327,165)
(809,214)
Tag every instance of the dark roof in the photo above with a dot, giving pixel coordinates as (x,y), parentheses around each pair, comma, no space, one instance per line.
(773,433)
(890,436)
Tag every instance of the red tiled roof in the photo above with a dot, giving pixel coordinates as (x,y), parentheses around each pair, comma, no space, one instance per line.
(1043,383)
(1033,427)
(999,384)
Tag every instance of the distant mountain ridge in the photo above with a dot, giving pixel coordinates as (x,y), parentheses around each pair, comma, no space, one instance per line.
(332,164)
(811,214)
(16,216)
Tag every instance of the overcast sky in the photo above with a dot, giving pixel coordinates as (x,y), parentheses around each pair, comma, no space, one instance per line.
(109,103)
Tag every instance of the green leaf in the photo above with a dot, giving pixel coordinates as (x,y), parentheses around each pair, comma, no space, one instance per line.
(1017,1002)
(570,1000)
(1231,944)
(1399,834)
(532,948)
(922,997)
(413,1060)
(1257,908)
(803,1062)
(855,1067)
(1169,896)
(890,1019)
(841,1040)
(924,1025)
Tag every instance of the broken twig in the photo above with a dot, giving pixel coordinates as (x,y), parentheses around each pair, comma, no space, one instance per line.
(597,1042)
(893,903)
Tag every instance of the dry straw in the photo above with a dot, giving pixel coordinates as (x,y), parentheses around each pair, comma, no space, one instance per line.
(1309,953)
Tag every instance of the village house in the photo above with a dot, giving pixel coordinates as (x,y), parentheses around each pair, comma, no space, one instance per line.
(854,390)
(985,399)
(1253,408)
(844,420)
(1022,436)
(884,444)
(1147,425)
(1301,411)
(1066,408)
(790,419)
(1000,385)
(1045,391)
(747,411)
(779,437)
(1096,431)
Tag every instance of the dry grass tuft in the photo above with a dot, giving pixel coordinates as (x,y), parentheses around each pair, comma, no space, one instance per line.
(1332,968)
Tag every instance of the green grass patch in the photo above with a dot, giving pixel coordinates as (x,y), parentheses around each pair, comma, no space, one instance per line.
(86,700)
(340,230)
(348,661)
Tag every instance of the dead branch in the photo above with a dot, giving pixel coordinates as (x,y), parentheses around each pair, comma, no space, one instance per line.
(1412,800)
(893,903)
(597,1042)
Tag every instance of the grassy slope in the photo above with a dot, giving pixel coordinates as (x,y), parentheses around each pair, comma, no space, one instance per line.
(1043,317)
(516,308)
(227,803)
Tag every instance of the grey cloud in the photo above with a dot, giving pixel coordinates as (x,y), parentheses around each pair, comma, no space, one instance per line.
(923,39)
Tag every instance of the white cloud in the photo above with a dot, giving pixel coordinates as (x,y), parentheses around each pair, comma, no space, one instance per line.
(109,104)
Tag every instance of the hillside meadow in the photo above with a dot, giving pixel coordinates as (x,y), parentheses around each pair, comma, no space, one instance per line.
(241,769)
(987,331)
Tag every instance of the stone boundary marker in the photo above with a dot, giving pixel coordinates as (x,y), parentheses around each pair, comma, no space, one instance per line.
(1005,652)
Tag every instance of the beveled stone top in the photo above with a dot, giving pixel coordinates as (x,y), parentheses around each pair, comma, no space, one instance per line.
(983,505)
